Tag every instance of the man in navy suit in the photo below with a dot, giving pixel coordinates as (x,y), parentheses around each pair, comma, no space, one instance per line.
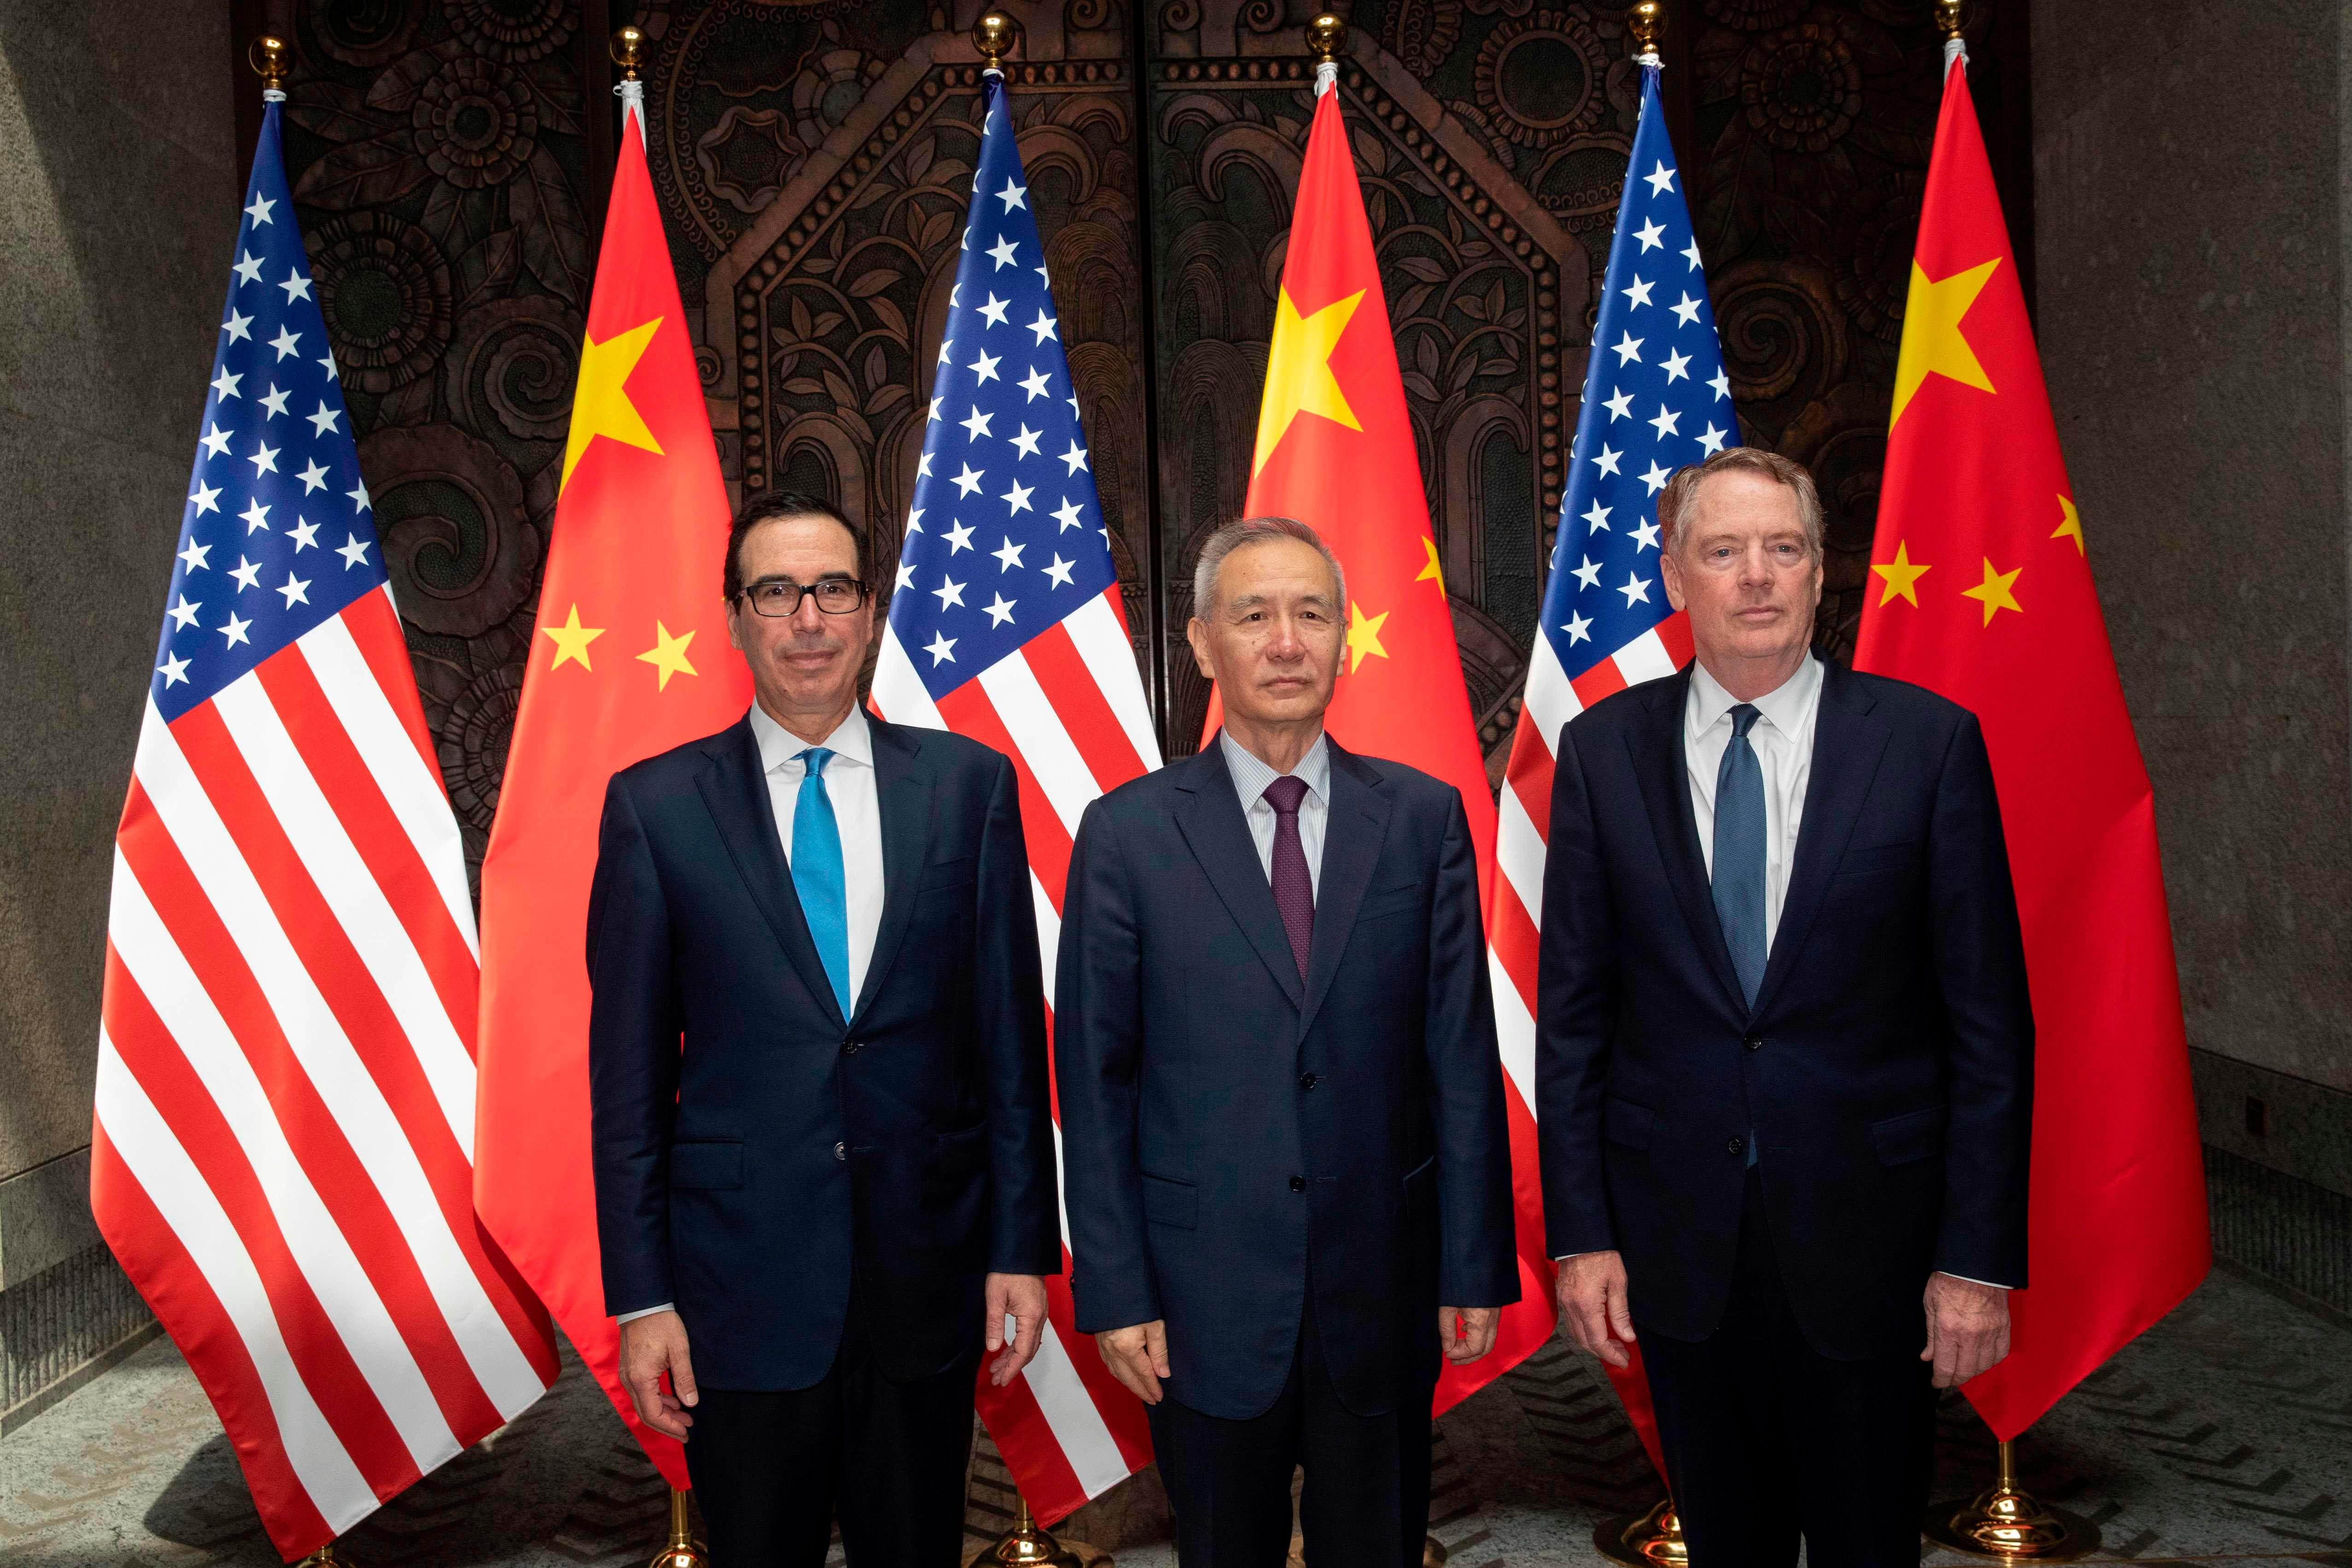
(1282,1109)
(1784,1056)
(824,1153)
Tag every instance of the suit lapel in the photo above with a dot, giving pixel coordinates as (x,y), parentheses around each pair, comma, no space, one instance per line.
(1213,828)
(903,786)
(1355,830)
(1847,746)
(735,790)
(1661,767)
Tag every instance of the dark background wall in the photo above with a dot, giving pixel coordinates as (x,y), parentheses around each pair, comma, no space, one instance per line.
(2192,252)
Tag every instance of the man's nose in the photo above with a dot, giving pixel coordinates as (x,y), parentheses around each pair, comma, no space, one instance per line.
(1285,644)
(806,616)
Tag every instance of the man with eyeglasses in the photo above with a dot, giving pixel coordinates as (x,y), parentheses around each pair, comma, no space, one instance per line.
(823,1149)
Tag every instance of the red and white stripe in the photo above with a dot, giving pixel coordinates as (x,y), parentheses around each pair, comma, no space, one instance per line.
(282,1158)
(1523,822)
(1068,708)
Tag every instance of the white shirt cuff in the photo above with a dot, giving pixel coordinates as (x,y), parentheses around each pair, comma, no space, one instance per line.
(1988,1284)
(646,1312)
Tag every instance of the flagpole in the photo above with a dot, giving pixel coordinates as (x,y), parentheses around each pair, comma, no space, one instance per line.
(269,57)
(2001,1522)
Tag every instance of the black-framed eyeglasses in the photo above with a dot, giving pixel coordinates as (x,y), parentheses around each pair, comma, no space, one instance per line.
(834,595)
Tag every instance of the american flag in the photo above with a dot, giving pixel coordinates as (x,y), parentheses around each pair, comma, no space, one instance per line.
(1655,399)
(282,1155)
(1006,626)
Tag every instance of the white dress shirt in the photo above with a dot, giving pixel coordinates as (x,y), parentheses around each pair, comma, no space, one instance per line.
(1782,737)
(1251,777)
(856,810)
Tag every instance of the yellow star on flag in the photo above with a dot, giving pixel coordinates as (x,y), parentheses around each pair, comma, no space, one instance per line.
(572,640)
(1902,576)
(1993,592)
(2070,524)
(1432,572)
(1933,343)
(600,402)
(668,655)
(1298,378)
(1363,635)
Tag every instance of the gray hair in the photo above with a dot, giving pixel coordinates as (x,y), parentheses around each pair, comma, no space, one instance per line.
(1256,532)
(1682,491)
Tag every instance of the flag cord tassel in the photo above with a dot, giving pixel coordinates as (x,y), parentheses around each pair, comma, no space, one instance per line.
(2008,1524)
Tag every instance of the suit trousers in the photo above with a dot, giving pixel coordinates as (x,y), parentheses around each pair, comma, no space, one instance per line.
(1765,1438)
(772,1469)
(1365,1503)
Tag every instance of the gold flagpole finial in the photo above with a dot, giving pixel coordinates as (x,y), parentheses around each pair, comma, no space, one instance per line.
(993,35)
(270,57)
(1647,22)
(1948,16)
(1326,37)
(628,49)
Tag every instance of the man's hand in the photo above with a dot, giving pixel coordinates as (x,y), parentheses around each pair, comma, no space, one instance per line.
(1136,1356)
(649,1347)
(1594,1308)
(1967,1328)
(1021,1298)
(1474,1338)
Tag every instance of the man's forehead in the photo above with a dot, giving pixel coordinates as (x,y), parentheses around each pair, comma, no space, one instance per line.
(801,540)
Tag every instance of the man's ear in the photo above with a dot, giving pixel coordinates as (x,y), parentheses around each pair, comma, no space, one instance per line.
(1672,570)
(734,640)
(1196,633)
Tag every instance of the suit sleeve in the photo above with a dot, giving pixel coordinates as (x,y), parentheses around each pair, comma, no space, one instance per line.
(1576,1012)
(1024,1225)
(1477,1252)
(1098,1061)
(634,1023)
(1979,959)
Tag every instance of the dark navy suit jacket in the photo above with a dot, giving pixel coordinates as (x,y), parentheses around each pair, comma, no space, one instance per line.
(1886,1070)
(747,1175)
(1231,1137)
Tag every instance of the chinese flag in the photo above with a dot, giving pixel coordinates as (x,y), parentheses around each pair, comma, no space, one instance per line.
(1983,592)
(1335,450)
(630,657)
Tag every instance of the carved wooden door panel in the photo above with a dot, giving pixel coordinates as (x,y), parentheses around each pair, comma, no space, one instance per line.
(815,163)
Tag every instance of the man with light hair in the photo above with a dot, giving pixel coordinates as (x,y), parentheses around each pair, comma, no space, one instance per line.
(1281,1108)
(1784,1052)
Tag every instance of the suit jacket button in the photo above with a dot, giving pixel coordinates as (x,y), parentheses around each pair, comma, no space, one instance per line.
(852,1048)
(841,1151)
(1737,1146)
(1754,1042)
(1307,1080)
(1298,1184)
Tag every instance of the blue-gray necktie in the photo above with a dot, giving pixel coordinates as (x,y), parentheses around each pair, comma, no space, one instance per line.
(817,873)
(1739,852)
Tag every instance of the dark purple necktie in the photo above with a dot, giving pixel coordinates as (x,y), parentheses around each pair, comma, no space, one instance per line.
(1294,890)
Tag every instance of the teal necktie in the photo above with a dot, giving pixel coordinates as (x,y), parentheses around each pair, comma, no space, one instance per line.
(1738,882)
(817,874)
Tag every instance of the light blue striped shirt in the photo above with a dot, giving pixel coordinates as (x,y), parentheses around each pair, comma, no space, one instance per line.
(1251,776)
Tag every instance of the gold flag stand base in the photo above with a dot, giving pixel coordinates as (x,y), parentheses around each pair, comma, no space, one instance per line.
(1029,1543)
(2004,1522)
(1652,1540)
(681,1549)
(325,1557)
(1432,1551)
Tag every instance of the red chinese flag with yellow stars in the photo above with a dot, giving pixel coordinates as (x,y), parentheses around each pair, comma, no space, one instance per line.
(629,658)
(1981,590)
(1335,450)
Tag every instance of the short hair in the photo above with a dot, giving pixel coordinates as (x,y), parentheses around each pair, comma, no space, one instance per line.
(1256,531)
(1681,490)
(768,507)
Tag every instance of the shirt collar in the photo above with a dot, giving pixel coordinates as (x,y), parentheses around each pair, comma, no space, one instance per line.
(851,741)
(1251,776)
(1783,706)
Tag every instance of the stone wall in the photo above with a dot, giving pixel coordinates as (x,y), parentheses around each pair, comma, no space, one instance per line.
(118,177)
(2190,204)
